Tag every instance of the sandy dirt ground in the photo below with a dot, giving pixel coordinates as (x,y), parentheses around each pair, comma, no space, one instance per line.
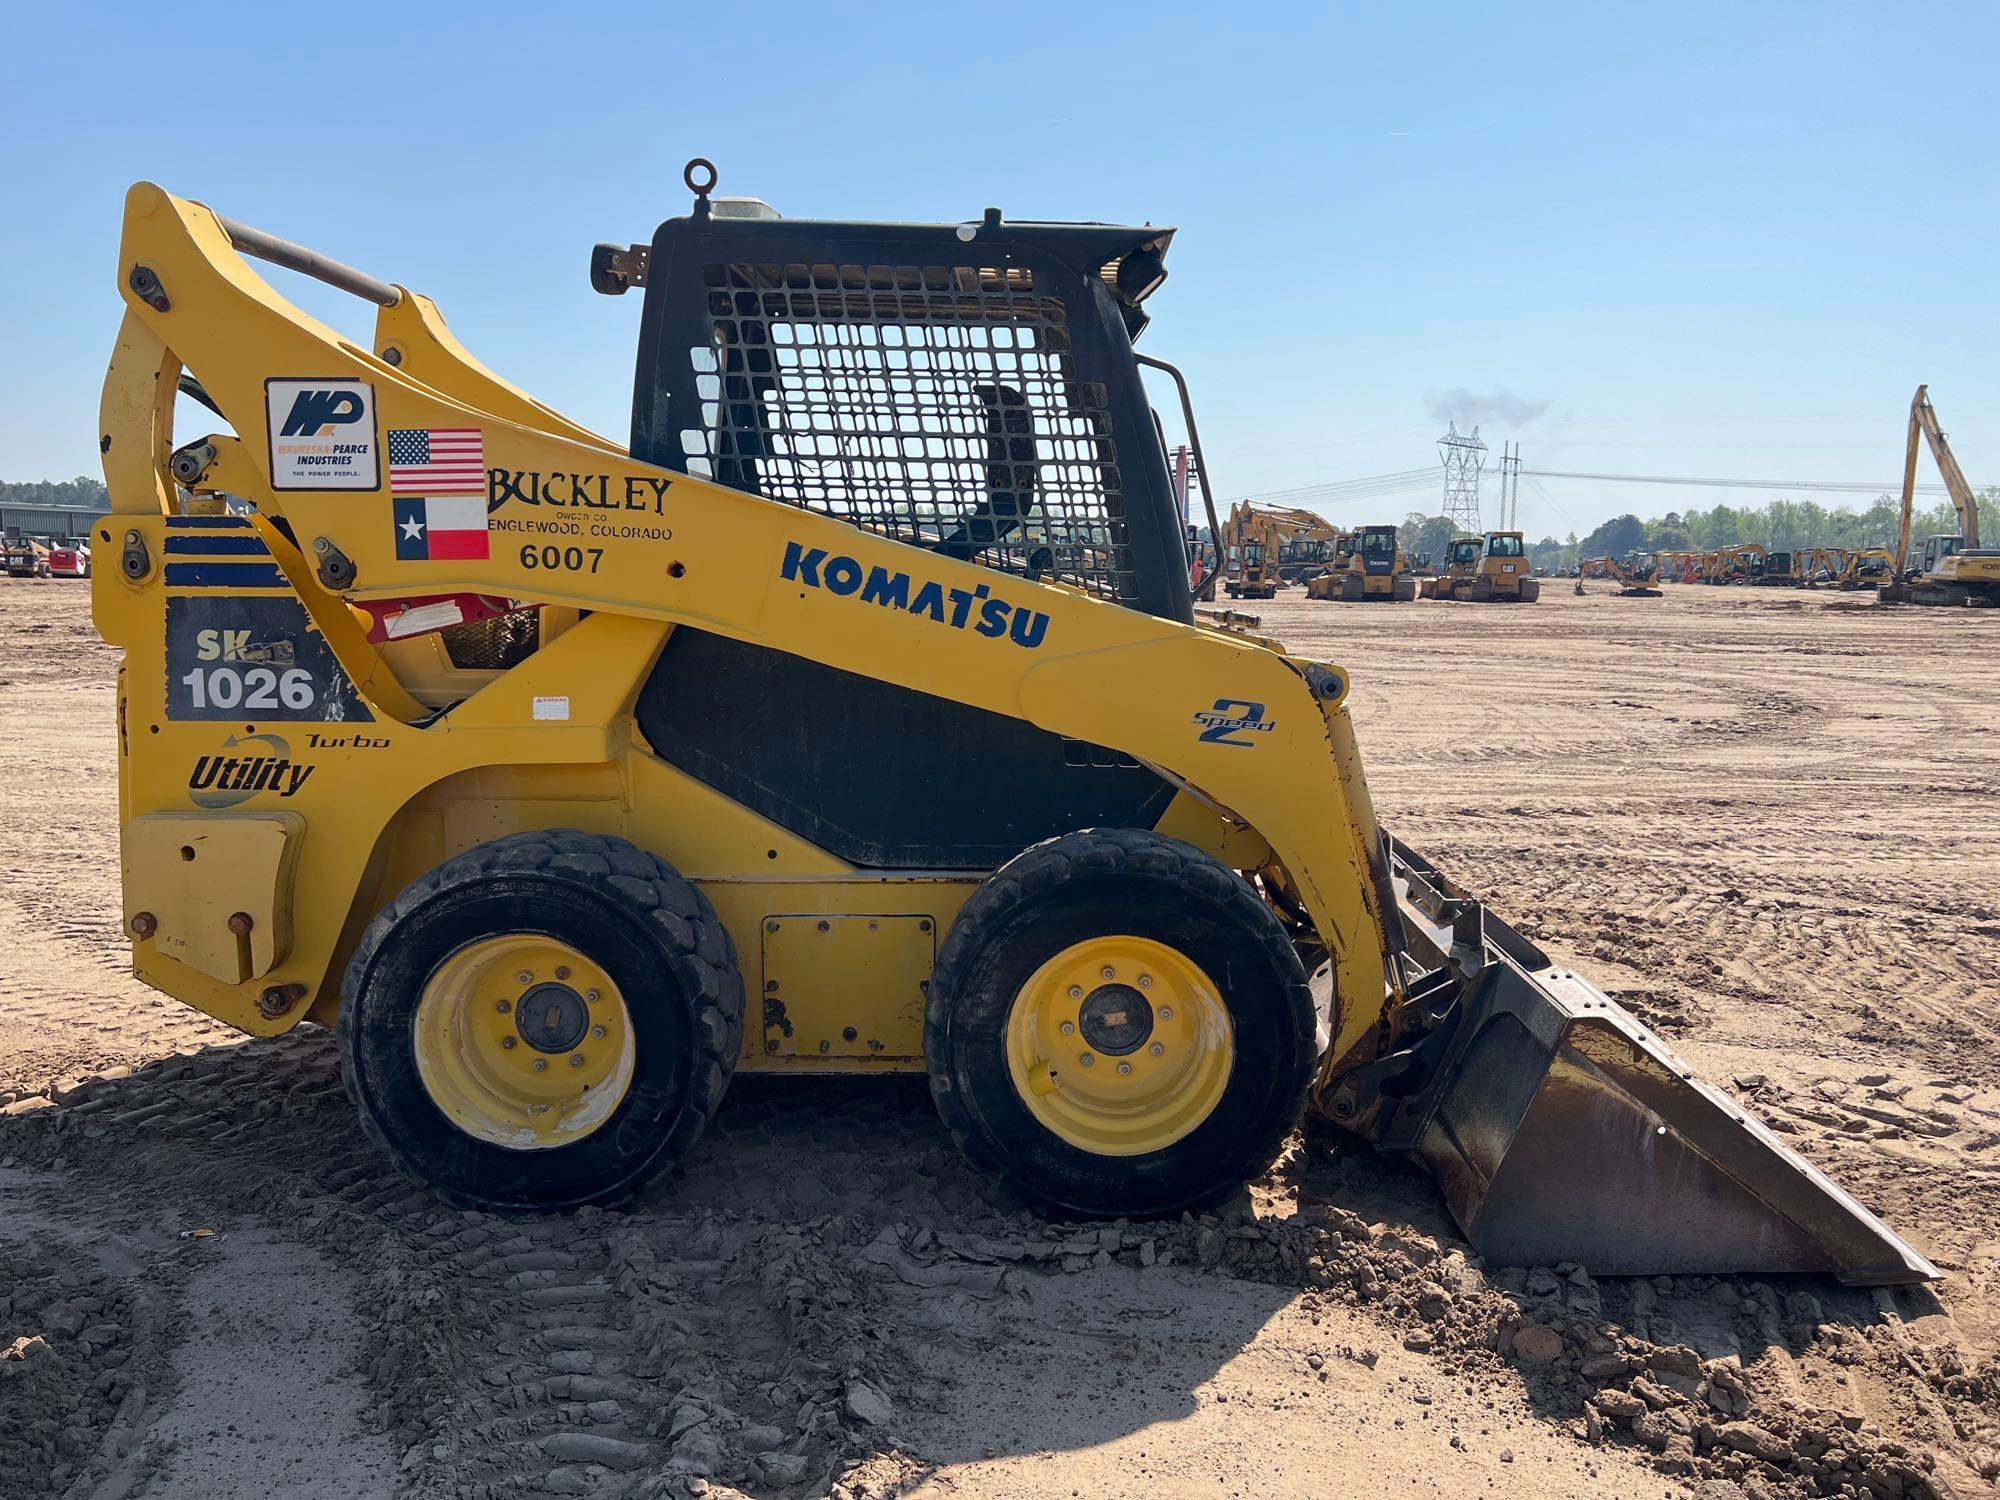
(1767,822)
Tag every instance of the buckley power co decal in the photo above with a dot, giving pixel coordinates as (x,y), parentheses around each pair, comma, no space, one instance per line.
(322,435)
(602,507)
(245,766)
(976,609)
(235,658)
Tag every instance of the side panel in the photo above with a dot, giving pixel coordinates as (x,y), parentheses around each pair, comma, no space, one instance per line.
(875,773)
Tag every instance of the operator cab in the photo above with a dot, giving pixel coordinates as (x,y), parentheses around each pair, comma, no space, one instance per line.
(1937,549)
(1378,549)
(1503,544)
(970,388)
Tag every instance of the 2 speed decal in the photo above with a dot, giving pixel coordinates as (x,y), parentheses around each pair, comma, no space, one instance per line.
(1230,720)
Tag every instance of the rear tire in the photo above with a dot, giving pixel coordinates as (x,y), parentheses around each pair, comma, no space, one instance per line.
(421,1035)
(1060,1133)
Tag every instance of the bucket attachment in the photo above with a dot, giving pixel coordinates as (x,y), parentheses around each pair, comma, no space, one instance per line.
(1561,1129)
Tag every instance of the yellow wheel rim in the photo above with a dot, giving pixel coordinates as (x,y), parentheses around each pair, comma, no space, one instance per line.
(1120,1045)
(523,1042)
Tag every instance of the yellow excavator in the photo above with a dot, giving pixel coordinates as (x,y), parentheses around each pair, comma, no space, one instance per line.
(525,758)
(1249,554)
(1867,568)
(1948,569)
(1375,569)
(1637,576)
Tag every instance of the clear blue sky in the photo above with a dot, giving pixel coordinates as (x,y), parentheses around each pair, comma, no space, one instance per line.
(1718,239)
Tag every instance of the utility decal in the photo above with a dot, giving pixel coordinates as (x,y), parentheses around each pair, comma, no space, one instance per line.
(244,659)
(246,765)
(440,528)
(322,434)
(976,609)
(1230,718)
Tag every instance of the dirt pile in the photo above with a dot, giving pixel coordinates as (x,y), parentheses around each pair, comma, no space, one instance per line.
(67,1331)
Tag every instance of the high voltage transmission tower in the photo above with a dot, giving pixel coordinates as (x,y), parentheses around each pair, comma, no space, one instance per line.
(1463,458)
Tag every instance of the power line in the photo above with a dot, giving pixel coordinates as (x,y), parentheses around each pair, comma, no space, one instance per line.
(1403,481)
(1824,486)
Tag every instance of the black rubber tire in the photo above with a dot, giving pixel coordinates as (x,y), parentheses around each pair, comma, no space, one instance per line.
(633,914)
(1097,882)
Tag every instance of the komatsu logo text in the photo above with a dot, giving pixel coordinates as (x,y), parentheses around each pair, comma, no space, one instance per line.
(975,609)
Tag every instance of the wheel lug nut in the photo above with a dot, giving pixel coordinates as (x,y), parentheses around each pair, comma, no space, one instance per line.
(1166,1012)
(1087,1060)
(541,1065)
(1124,1067)
(503,1006)
(597,1033)
(525,977)
(1108,972)
(507,1042)
(1145,981)
(576,1059)
(1076,992)
(590,996)
(562,971)
(1069,1028)
(1157,1050)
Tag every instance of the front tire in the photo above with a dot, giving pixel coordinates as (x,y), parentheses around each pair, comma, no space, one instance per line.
(1118,1025)
(542,1022)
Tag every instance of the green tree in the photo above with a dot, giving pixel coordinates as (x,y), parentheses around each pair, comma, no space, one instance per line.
(1616,537)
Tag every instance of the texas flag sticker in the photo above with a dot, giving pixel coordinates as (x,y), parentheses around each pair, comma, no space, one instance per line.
(440,528)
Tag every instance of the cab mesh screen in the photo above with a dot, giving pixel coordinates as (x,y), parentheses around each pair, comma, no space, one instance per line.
(932,404)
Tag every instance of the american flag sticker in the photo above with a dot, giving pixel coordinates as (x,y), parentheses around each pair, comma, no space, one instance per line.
(437,461)
(440,528)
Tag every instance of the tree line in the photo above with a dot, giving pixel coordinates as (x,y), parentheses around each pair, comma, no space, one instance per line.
(82,490)
(1788,524)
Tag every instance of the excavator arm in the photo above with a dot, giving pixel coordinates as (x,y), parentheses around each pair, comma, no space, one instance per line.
(1924,422)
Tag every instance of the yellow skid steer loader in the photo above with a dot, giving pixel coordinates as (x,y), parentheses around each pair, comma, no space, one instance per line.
(855,718)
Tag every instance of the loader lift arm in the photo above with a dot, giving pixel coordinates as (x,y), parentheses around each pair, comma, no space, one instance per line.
(1446,1034)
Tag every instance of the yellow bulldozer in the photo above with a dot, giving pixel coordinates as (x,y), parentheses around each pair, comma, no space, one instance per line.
(523,758)
(1493,569)
(1374,569)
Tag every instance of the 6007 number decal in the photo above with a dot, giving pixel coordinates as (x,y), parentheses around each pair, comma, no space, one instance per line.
(565,559)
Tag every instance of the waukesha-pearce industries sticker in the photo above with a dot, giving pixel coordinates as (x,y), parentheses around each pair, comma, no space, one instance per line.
(322,434)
